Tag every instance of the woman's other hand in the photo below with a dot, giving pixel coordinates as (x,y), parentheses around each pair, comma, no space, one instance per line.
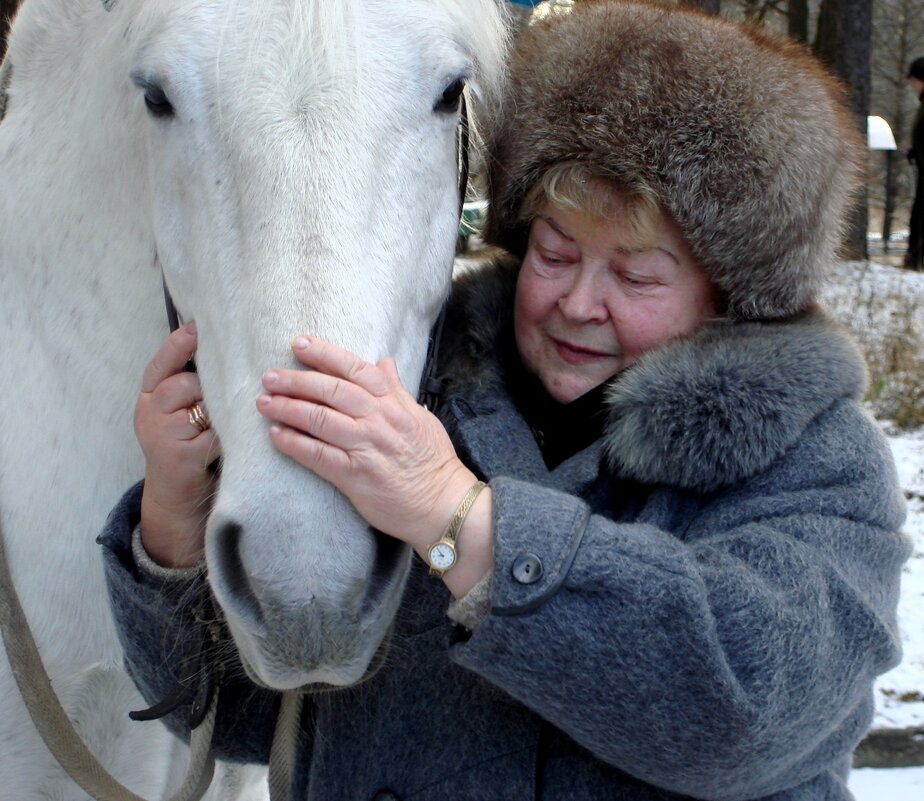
(179,484)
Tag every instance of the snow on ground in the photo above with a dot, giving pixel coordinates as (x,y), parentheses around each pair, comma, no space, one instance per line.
(872,299)
(894,784)
(867,295)
(900,693)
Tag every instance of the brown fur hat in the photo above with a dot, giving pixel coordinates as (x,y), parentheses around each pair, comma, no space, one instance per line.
(745,139)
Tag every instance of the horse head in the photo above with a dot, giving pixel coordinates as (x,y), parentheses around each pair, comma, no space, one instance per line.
(302,178)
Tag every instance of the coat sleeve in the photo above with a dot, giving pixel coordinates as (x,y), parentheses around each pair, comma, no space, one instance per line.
(155,619)
(720,647)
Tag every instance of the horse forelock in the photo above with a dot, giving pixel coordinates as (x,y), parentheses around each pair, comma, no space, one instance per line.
(307,42)
(308,47)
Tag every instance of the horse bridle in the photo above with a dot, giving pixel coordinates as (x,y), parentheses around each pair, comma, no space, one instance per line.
(431,385)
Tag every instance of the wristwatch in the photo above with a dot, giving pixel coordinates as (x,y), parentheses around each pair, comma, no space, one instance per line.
(442,555)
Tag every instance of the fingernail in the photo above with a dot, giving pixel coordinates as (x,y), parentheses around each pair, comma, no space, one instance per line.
(264,400)
(300,343)
(276,430)
(191,327)
(270,378)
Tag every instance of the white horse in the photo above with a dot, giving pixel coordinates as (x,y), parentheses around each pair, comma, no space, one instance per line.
(291,164)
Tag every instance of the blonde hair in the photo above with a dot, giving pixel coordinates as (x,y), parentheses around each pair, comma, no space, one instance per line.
(572,186)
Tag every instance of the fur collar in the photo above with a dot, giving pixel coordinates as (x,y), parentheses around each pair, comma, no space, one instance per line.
(699,413)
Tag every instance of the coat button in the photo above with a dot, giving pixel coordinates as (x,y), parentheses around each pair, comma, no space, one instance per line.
(527,568)
(385,795)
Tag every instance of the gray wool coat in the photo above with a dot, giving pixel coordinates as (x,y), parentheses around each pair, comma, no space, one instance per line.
(717,584)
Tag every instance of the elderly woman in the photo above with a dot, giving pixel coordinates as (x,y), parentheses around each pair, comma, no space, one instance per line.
(681,576)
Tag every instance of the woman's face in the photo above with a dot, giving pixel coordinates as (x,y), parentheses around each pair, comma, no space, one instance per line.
(586,307)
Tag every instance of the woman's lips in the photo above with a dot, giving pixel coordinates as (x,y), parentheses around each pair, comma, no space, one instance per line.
(575,354)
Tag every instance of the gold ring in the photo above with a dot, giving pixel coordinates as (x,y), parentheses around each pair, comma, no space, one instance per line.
(198,417)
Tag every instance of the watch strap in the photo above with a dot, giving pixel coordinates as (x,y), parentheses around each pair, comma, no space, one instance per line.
(455,522)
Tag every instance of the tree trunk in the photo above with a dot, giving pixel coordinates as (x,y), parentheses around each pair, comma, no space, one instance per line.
(797,16)
(709,6)
(888,210)
(844,43)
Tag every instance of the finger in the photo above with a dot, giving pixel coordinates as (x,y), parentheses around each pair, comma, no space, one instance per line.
(181,426)
(336,361)
(205,448)
(328,462)
(171,357)
(318,421)
(163,432)
(178,391)
(192,454)
(157,417)
(311,385)
(390,370)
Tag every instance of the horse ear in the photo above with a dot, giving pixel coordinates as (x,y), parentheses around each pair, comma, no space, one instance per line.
(108,4)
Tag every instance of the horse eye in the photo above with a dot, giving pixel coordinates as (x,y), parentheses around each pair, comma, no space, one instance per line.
(449,101)
(156,101)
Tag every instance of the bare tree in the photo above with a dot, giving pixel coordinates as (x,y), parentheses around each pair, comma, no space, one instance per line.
(709,6)
(767,14)
(844,42)
(898,28)
(797,18)
(757,11)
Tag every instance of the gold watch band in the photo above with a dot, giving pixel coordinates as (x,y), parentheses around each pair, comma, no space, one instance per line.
(455,522)
(458,517)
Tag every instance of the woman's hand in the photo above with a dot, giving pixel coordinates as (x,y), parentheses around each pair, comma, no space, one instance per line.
(354,424)
(178,484)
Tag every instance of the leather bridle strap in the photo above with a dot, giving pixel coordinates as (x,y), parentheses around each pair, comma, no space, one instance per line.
(55,727)
(431,385)
(463,158)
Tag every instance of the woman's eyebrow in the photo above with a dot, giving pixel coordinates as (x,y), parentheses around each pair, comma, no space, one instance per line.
(553,224)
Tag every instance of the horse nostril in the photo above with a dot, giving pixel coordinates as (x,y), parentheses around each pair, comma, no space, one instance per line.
(229,569)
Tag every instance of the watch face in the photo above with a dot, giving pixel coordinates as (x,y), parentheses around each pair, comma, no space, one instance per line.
(442,556)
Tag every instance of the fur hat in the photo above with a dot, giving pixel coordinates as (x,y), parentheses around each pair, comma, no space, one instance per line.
(745,139)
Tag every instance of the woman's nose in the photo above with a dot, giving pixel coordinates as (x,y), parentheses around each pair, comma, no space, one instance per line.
(584,301)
